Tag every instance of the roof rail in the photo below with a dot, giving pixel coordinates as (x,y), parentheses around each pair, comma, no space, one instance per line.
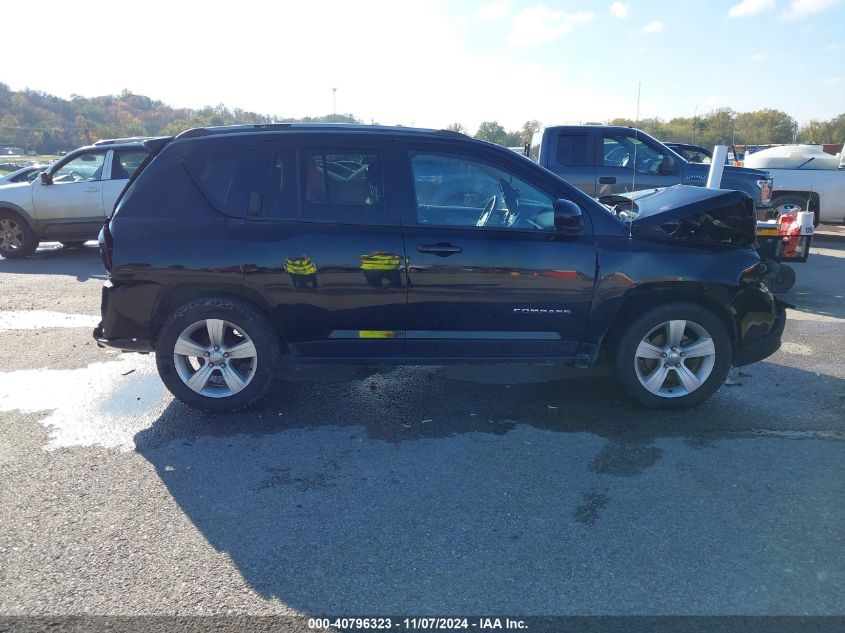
(258,127)
(270,127)
(128,139)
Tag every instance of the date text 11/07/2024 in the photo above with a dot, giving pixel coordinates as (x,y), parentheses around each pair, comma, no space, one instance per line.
(429,624)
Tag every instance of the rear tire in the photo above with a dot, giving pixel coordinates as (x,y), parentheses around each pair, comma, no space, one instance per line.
(674,356)
(218,354)
(793,204)
(17,240)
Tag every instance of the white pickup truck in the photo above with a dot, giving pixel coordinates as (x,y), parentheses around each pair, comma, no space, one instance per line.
(805,179)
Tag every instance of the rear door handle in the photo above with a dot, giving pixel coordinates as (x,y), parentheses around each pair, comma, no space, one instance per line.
(607,180)
(441,249)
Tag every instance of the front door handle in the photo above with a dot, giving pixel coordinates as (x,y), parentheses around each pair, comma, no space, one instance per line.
(92,190)
(441,249)
(607,180)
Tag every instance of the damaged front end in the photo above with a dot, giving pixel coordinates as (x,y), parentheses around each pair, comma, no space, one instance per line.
(688,214)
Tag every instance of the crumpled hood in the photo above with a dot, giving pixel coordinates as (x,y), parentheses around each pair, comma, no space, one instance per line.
(692,214)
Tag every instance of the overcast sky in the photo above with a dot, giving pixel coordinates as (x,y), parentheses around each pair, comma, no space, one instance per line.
(434,62)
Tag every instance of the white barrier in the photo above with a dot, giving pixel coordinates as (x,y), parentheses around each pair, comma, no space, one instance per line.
(717,166)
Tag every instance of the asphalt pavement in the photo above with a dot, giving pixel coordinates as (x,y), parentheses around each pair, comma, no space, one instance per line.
(413,490)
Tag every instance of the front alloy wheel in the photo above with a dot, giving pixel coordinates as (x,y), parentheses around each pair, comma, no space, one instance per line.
(16,238)
(673,356)
(11,234)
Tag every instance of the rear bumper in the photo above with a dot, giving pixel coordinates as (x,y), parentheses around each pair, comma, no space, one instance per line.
(768,344)
(125,323)
(123,344)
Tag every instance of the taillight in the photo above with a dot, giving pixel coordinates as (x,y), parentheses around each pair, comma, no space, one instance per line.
(104,240)
(765,185)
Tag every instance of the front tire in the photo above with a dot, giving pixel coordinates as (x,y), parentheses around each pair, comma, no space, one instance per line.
(17,240)
(792,204)
(674,356)
(782,279)
(218,354)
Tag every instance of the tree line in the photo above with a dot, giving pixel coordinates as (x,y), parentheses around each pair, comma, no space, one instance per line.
(722,126)
(46,124)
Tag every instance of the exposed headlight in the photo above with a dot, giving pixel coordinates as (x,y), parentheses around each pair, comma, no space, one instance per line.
(754,274)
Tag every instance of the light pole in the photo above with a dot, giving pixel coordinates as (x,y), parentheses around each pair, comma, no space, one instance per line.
(334,105)
(694,120)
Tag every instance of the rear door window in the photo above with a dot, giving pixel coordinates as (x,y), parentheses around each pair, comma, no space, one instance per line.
(126,163)
(572,150)
(232,181)
(283,200)
(345,186)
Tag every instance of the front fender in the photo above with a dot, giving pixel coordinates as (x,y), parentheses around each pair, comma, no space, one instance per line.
(750,188)
(634,274)
(23,213)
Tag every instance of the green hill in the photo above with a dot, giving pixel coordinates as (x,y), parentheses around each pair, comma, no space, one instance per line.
(39,122)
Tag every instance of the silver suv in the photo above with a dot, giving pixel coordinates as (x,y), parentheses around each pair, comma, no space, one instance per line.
(69,202)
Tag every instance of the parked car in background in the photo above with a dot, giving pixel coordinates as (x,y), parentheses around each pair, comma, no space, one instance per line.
(806,179)
(70,200)
(237,245)
(24,174)
(603,159)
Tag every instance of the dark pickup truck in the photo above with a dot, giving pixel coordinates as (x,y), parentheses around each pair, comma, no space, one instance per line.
(603,159)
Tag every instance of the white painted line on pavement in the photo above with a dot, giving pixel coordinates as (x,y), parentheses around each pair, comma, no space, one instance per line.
(42,319)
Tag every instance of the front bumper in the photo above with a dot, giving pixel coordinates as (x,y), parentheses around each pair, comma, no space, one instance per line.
(768,344)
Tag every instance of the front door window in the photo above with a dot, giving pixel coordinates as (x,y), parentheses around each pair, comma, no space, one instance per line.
(457,191)
(84,168)
(631,153)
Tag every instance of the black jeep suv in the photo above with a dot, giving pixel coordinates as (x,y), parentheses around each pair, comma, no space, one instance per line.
(365,244)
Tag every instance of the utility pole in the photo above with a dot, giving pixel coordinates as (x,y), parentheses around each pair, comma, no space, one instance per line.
(694,122)
(334,105)
(636,134)
(639,86)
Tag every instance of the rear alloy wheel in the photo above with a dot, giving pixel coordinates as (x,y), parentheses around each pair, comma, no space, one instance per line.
(674,356)
(214,358)
(16,238)
(218,354)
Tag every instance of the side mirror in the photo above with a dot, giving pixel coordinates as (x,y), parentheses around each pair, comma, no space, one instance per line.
(568,217)
(668,166)
(46,178)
